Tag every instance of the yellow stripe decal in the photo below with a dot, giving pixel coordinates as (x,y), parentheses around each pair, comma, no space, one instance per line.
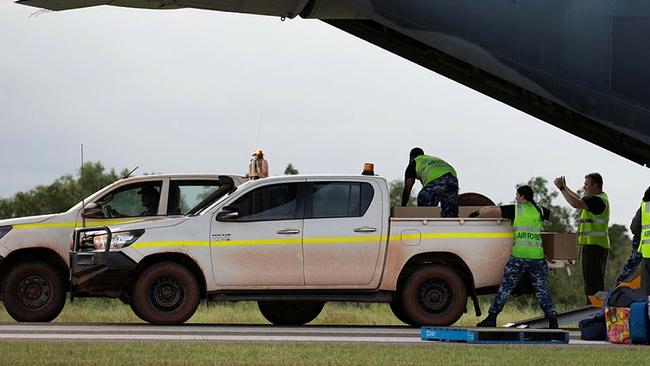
(339,240)
(216,243)
(44,226)
(72,224)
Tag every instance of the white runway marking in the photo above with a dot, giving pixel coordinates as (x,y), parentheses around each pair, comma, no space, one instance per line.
(220,333)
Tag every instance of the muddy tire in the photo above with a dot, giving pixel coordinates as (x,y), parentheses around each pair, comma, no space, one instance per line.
(165,294)
(290,312)
(474,199)
(34,292)
(434,295)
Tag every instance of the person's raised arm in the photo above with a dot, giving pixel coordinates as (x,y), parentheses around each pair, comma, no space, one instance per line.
(408,186)
(489,211)
(570,196)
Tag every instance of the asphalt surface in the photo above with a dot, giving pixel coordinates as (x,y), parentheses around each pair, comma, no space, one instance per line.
(221,333)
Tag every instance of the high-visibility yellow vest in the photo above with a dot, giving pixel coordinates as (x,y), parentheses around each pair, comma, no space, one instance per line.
(429,168)
(594,229)
(644,248)
(527,229)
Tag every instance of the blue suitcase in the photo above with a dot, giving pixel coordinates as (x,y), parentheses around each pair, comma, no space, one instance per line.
(639,322)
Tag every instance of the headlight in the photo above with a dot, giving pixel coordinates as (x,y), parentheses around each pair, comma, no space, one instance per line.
(118,240)
(4,230)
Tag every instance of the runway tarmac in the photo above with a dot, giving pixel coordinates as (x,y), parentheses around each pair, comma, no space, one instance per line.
(220,333)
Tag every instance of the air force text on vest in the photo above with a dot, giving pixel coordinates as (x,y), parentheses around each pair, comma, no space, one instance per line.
(523,235)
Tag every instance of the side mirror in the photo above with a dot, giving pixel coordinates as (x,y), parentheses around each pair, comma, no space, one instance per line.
(228,213)
(92,210)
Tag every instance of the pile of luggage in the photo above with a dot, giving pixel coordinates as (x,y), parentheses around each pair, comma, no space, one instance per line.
(624,319)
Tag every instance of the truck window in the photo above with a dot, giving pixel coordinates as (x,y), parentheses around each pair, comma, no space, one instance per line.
(185,194)
(340,199)
(274,202)
(133,200)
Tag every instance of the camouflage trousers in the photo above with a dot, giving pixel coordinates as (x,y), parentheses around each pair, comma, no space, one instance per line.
(515,269)
(443,191)
(632,262)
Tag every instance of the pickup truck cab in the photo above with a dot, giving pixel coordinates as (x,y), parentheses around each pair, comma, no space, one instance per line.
(35,251)
(292,243)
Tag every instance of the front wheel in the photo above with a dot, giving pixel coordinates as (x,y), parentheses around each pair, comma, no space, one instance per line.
(165,294)
(434,295)
(34,292)
(290,312)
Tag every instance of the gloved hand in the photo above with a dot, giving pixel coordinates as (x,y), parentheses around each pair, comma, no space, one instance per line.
(474,214)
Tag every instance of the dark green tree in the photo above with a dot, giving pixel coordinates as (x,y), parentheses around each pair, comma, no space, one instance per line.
(59,196)
(395,188)
(290,170)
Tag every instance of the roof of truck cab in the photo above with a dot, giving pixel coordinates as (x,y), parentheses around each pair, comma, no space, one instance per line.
(181,176)
(322,176)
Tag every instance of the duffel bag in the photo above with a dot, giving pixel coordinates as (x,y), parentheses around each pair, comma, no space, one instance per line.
(593,329)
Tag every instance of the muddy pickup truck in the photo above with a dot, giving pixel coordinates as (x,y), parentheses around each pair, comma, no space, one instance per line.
(35,251)
(292,244)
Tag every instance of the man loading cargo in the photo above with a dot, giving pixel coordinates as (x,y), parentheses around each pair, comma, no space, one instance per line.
(644,247)
(635,257)
(439,182)
(527,254)
(593,229)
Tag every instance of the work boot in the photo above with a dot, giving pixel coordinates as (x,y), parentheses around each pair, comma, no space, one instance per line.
(552,323)
(490,321)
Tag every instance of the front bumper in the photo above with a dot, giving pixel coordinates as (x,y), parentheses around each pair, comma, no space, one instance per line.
(100,273)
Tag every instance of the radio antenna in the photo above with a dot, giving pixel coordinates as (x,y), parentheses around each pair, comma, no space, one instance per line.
(131,172)
(259,129)
(83,203)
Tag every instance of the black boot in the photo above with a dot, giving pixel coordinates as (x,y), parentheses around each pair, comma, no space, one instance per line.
(490,321)
(552,323)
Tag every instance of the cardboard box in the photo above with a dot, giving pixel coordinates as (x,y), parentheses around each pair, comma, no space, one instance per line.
(429,212)
(560,246)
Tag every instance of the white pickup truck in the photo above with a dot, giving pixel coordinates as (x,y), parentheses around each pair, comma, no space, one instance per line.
(35,251)
(293,243)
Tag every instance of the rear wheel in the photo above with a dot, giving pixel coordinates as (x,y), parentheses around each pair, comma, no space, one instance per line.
(290,312)
(434,295)
(166,294)
(34,292)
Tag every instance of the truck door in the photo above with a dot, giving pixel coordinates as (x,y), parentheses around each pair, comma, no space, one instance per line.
(342,233)
(262,244)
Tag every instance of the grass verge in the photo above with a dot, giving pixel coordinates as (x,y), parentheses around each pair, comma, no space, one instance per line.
(113,311)
(31,353)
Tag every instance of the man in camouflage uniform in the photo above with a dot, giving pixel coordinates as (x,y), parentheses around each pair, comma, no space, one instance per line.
(439,182)
(635,257)
(632,262)
(527,254)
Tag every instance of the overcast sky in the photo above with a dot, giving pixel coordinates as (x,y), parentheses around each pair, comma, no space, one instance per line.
(185,91)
